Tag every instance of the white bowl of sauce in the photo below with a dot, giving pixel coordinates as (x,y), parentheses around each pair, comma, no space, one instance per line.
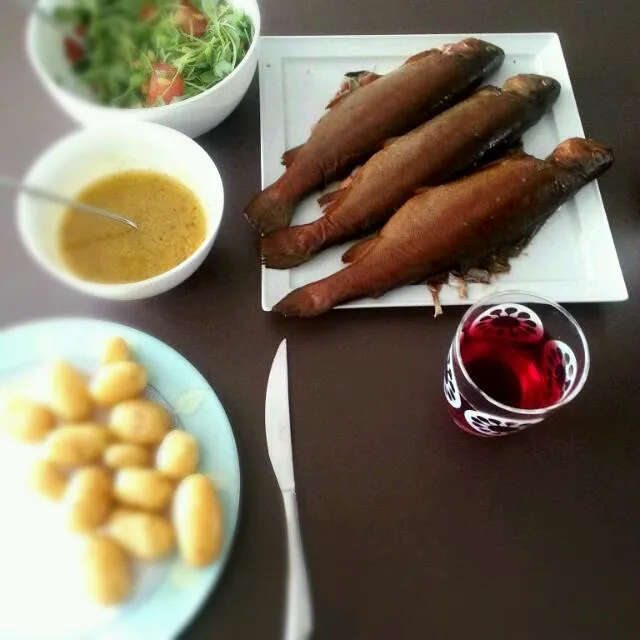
(147,172)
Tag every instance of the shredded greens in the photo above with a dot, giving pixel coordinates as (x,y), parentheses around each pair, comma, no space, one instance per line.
(123,39)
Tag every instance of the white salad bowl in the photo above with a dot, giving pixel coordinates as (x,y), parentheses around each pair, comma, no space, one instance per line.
(87,155)
(193,116)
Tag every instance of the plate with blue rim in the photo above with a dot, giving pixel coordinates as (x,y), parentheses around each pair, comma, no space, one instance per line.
(43,595)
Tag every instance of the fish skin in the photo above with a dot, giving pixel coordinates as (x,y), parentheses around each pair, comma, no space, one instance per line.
(429,155)
(359,121)
(457,223)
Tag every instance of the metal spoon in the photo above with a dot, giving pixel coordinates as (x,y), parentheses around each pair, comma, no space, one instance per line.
(16,185)
(45,16)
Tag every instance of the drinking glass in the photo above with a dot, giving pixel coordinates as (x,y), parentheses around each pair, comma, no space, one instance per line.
(511,364)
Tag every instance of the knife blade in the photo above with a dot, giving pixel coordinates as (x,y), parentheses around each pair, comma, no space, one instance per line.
(298,612)
(277,420)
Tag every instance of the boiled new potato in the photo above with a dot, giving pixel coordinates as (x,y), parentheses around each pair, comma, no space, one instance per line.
(88,498)
(76,445)
(122,455)
(117,382)
(107,569)
(45,478)
(27,421)
(115,350)
(69,393)
(143,488)
(197,518)
(146,536)
(177,455)
(140,422)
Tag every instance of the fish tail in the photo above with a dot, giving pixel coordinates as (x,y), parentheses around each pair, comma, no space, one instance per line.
(290,247)
(269,210)
(308,301)
(350,283)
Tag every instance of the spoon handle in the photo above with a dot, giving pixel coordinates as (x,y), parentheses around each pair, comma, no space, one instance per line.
(11,183)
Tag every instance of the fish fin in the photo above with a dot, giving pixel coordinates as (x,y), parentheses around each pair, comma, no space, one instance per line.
(332,196)
(389,142)
(352,80)
(499,261)
(503,151)
(487,89)
(359,249)
(475,274)
(420,55)
(460,283)
(289,155)
(290,247)
(336,99)
(516,146)
(435,289)
(268,211)
(360,78)
(490,162)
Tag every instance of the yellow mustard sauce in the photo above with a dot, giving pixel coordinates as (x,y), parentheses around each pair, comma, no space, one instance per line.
(171,226)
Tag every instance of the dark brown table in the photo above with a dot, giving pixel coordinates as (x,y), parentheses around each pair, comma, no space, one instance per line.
(412,528)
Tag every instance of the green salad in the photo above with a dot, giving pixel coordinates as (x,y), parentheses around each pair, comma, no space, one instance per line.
(147,53)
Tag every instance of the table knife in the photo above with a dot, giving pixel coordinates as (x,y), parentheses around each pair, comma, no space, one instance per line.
(298,613)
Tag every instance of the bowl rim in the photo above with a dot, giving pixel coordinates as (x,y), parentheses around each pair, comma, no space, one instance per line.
(45,76)
(125,290)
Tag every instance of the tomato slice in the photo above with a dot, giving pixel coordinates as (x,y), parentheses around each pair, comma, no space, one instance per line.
(148,12)
(166,83)
(74,51)
(190,20)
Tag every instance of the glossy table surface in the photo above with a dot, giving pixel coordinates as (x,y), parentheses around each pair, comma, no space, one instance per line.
(412,528)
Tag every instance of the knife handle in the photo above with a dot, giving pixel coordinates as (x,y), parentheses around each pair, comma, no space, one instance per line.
(299,616)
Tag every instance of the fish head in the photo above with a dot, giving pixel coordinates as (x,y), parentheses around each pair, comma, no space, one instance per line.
(540,90)
(491,55)
(588,157)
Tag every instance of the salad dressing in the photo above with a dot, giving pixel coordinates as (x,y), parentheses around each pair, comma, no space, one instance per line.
(171,226)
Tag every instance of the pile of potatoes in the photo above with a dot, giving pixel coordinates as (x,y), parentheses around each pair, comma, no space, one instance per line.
(129,482)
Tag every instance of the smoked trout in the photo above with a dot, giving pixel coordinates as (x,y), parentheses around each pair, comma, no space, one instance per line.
(436,151)
(368,111)
(456,225)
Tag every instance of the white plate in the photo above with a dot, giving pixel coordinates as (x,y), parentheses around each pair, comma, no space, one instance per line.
(572,259)
(42,596)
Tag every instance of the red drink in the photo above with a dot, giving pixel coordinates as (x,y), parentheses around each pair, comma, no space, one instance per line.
(513,374)
(508,372)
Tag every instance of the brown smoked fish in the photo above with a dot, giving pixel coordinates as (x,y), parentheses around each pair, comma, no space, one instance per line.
(358,121)
(429,155)
(456,225)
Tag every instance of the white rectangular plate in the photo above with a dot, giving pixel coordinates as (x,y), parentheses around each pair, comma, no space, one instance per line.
(572,259)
